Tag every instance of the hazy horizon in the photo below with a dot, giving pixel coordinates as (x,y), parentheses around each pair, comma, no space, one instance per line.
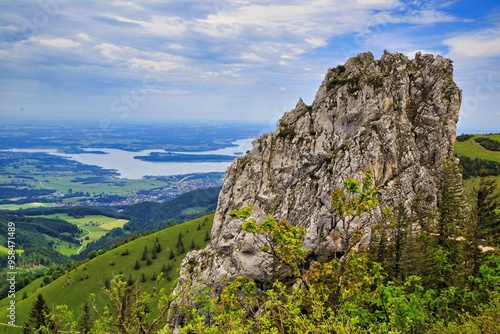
(103,122)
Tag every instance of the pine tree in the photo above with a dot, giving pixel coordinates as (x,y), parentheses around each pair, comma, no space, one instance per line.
(130,280)
(107,283)
(452,207)
(484,223)
(400,233)
(158,248)
(423,211)
(180,243)
(454,212)
(389,244)
(171,255)
(40,317)
(85,323)
(487,210)
(137,265)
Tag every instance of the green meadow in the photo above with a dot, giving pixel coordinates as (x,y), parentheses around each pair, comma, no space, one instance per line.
(74,287)
(93,228)
(25,206)
(471,149)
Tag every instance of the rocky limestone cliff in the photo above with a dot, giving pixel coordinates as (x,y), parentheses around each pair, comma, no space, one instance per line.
(394,116)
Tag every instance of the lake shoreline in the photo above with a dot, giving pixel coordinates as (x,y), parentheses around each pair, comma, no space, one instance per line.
(129,167)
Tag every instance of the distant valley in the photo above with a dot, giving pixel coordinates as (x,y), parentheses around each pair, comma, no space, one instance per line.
(109,169)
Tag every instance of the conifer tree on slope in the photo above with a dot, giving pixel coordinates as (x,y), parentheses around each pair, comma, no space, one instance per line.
(40,318)
(484,225)
(453,218)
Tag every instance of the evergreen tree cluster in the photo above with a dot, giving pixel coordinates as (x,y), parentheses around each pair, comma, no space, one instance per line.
(478,167)
(488,143)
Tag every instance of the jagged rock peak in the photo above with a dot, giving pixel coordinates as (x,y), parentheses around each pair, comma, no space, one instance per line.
(394,116)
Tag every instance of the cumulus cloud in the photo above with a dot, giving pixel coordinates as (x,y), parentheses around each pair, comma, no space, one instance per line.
(84,37)
(316,42)
(483,43)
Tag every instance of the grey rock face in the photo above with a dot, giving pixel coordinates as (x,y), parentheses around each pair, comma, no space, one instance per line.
(394,116)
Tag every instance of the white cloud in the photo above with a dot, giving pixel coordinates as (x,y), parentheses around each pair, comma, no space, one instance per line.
(222,73)
(376,2)
(138,59)
(158,25)
(316,42)
(62,43)
(112,51)
(175,46)
(485,43)
(166,25)
(157,66)
(252,57)
(176,91)
(84,37)
(230,46)
(130,4)
(271,20)
(416,17)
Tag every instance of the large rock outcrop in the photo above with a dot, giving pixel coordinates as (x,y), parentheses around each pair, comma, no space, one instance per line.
(394,116)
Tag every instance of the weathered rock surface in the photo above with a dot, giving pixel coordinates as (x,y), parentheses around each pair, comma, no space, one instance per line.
(394,116)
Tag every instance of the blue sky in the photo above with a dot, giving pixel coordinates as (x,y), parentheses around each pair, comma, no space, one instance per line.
(227,59)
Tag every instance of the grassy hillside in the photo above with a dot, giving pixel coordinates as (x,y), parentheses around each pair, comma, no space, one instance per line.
(470,148)
(74,287)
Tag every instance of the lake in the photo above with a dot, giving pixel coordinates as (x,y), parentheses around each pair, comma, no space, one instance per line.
(128,167)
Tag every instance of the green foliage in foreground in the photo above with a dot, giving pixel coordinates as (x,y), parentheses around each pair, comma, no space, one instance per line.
(448,286)
(354,293)
(370,304)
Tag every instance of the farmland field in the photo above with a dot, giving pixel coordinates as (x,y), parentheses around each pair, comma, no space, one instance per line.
(93,228)
(25,206)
